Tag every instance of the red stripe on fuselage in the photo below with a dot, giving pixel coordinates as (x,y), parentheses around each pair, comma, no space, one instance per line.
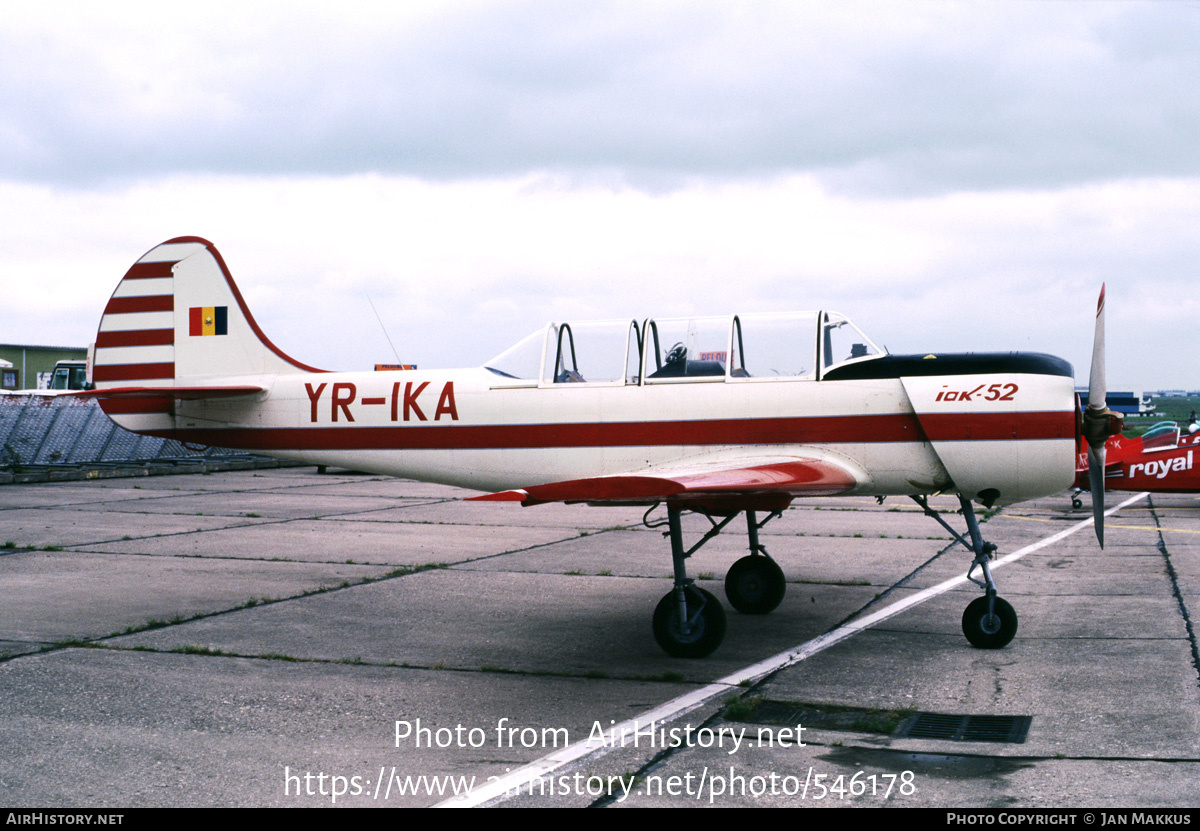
(136,337)
(871,429)
(998,426)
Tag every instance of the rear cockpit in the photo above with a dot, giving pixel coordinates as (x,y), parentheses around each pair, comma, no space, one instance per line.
(772,346)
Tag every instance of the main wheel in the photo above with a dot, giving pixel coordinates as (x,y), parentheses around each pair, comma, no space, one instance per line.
(989,631)
(707,624)
(755,585)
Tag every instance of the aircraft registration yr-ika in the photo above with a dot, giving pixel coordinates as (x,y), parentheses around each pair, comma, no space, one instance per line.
(714,415)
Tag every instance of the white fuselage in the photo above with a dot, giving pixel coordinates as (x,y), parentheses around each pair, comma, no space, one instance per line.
(475,429)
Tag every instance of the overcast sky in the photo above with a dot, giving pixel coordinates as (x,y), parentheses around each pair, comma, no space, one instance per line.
(951,176)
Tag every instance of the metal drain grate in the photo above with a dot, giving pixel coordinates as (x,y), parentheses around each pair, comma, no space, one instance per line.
(898,723)
(822,717)
(1008,729)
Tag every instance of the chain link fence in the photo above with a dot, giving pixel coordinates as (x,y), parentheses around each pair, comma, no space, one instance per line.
(58,434)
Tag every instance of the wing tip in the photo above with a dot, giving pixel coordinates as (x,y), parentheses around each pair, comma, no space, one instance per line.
(500,496)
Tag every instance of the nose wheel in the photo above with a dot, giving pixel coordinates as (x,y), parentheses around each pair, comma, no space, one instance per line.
(989,622)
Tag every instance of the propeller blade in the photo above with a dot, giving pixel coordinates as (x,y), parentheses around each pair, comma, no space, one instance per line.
(1099,422)
(1096,483)
(1097,391)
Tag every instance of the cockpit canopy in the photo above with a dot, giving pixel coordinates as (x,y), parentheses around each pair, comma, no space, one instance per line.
(773,346)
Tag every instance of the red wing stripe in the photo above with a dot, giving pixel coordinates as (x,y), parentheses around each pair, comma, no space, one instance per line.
(136,337)
(152,303)
(808,477)
(784,476)
(141,271)
(132,372)
(765,431)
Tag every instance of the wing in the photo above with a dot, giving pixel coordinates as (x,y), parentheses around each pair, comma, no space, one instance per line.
(761,483)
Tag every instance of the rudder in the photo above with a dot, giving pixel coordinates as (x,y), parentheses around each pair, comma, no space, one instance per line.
(178,319)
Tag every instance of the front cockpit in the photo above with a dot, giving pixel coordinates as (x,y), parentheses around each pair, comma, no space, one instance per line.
(771,346)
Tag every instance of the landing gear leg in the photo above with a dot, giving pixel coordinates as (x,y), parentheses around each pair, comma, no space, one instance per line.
(989,622)
(755,584)
(688,622)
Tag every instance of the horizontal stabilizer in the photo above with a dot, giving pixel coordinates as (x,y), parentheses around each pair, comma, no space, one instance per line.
(173,393)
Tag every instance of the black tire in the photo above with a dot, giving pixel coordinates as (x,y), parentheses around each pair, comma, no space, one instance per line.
(755,585)
(1076,503)
(986,631)
(707,632)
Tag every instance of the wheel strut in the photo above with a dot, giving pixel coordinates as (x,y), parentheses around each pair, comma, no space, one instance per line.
(755,584)
(688,622)
(989,622)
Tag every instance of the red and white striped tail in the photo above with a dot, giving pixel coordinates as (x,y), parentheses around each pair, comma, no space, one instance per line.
(136,342)
(176,327)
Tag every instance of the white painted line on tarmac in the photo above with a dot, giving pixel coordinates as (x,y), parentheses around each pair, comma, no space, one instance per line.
(501,787)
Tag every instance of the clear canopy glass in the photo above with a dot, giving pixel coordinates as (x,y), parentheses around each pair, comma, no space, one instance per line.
(773,346)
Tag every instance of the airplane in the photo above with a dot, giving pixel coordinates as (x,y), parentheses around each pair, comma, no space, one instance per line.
(1162,460)
(715,415)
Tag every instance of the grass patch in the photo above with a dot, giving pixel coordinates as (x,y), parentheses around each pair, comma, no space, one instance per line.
(191,649)
(741,708)
(497,670)
(63,644)
(404,571)
(279,656)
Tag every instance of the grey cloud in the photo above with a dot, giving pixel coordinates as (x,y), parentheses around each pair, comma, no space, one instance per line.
(953,97)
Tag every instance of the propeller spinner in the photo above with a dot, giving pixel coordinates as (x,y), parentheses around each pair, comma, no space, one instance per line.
(1099,422)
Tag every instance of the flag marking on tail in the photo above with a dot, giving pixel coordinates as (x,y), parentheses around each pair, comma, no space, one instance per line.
(208,320)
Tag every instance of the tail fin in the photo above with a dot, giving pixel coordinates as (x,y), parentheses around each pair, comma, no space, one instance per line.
(176,319)
(177,328)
